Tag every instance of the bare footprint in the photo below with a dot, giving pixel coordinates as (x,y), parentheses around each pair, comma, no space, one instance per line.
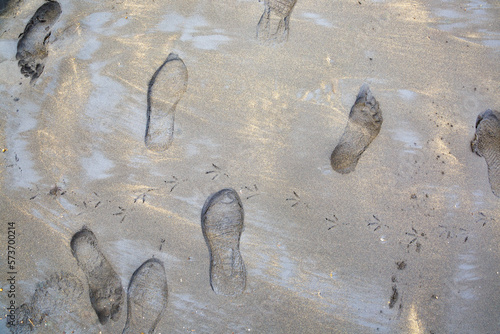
(487,144)
(105,287)
(54,303)
(365,121)
(32,47)
(146,298)
(274,24)
(222,225)
(166,88)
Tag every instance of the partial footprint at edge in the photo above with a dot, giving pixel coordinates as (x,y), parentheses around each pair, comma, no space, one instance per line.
(274,24)
(486,144)
(365,121)
(52,307)
(222,225)
(166,88)
(146,297)
(32,47)
(105,287)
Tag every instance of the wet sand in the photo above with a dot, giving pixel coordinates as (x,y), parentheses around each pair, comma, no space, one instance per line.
(323,251)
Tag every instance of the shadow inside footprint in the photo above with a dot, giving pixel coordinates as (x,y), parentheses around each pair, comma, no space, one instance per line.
(165,90)
(222,225)
(32,47)
(274,23)
(105,287)
(146,297)
(486,144)
(365,121)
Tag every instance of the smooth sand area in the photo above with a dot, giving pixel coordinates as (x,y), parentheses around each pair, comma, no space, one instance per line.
(405,243)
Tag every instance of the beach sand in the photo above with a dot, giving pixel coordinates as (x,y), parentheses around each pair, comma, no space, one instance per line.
(406,243)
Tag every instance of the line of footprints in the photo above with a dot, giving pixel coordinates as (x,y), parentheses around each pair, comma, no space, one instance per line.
(222,224)
(169,83)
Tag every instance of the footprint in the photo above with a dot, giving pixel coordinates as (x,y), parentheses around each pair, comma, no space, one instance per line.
(32,47)
(487,144)
(394,296)
(53,303)
(274,22)
(365,120)
(147,297)
(105,288)
(222,224)
(166,88)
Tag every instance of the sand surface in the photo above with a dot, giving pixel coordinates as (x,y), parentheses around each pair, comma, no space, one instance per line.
(406,243)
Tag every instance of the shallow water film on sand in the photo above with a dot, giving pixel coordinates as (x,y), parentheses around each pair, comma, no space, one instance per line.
(278,199)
